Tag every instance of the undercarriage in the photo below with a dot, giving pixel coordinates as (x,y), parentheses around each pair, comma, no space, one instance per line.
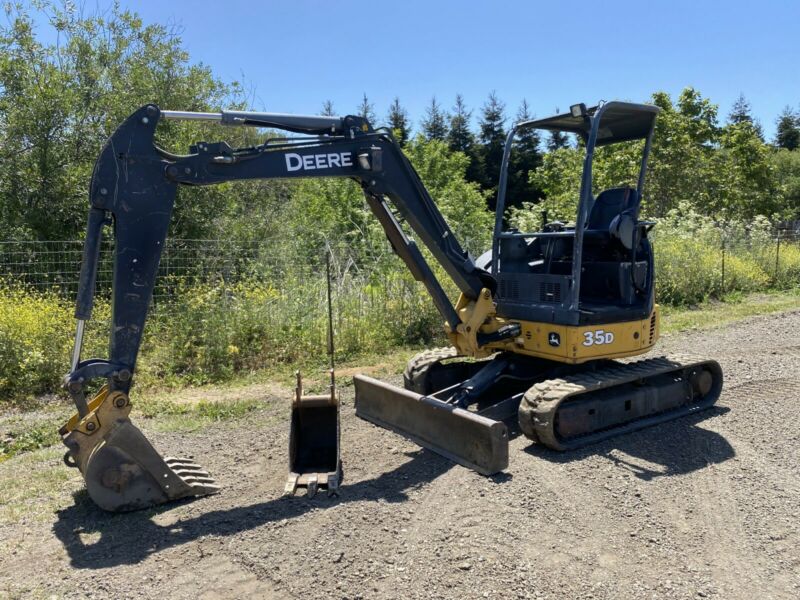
(471,407)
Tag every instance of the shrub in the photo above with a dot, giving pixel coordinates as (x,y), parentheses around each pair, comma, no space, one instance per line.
(34,341)
(212,331)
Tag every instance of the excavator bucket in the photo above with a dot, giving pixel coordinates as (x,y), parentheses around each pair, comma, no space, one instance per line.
(122,470)
(314,459)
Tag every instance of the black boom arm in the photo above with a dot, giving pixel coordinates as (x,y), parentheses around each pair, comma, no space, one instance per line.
(134,185)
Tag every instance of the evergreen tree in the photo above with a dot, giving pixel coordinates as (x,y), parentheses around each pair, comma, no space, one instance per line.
(398,122)
(557,139)
(367,110)
(742,112)
(525,158)
(327,109)
(492,139)
(787,134)
(434,125)
(461,139)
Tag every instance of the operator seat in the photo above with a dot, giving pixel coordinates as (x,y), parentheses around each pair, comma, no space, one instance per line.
(609,238)
(609,204)
(613,217)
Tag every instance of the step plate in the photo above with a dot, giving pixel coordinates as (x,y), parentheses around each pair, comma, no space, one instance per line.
(462,436)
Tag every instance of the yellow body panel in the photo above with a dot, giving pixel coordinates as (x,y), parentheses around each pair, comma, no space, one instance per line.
(561,343)
(577,344)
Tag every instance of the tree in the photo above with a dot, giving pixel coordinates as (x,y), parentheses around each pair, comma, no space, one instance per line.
(60,102)
(557,139)
(434,125)
(327,109)
(525,159)
(461,139)
(742,112)
(462,202)
(719,172)
(786,165)
(367,110)
(787,133)
(748,187)
(398,122)
(492,140)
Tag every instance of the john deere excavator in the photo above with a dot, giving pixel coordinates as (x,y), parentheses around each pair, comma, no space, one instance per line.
(535,334)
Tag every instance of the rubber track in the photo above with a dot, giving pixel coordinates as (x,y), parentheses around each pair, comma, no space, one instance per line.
(540,403)
(418,367)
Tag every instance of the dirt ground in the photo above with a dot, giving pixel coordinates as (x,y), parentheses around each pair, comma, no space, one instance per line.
(704,507)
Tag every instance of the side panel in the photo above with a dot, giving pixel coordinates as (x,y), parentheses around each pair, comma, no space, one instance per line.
(584,343)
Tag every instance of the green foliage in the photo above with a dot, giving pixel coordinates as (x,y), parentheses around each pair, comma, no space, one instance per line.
(786,167)
(525,159)
(728,172)
(492,136)
(398,122)
(689,250)
(434,125)
(459,136)
(36,332)
(38,436)
(31,356)
(787,134)
(461,139)
(462,203)
(366,109)
(212,332)
(60,102)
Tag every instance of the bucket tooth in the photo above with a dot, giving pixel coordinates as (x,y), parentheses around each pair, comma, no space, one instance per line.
(122,470)
(314,436)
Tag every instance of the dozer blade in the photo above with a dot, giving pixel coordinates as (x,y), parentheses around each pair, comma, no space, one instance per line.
(122,470)
(462,436)
(314,460)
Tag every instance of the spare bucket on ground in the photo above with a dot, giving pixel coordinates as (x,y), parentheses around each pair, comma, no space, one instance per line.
(314,459)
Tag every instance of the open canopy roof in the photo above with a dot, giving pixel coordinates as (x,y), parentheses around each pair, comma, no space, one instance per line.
(619,122)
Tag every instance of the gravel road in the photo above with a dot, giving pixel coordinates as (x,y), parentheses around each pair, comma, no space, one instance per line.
(704,507)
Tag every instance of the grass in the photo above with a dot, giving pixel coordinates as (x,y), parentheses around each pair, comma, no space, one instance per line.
(713,314)
(263,394)
(32,485)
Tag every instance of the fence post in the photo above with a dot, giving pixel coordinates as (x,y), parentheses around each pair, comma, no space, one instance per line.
(777,255)
(722,286)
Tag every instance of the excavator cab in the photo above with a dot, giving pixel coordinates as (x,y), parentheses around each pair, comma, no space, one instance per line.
(598,268)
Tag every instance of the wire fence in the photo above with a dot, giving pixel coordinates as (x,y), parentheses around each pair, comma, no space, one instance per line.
(55,265)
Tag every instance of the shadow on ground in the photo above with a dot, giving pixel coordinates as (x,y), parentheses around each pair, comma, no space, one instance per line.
(674,448)
(128,538)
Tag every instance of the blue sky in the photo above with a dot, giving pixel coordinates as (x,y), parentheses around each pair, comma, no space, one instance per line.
(294,54)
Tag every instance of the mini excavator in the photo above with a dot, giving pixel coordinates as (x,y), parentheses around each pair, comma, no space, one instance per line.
(536,334)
